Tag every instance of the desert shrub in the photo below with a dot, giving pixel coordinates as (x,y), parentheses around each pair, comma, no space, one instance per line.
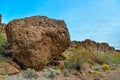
(110,58)
(104,58)
(3,58)
(100,58)
(51,73)
(79,56)
(55,71)
(76,58)
(2,41)
(30,74)
(105,67)
(116,59)
(72,60)
(4,76)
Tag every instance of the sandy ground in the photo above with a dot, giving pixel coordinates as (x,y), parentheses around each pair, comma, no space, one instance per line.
(113,75)
(104,75)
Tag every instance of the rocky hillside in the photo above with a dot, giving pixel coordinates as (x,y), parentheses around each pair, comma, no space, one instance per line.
(35,44)
(92,46)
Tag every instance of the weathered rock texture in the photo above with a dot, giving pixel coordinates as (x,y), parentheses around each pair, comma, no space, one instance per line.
(92,46)
(7,68)
(37,40)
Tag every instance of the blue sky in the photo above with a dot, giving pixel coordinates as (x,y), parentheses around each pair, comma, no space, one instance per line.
(98,20)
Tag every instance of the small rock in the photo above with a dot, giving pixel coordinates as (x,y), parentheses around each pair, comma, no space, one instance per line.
(66,73)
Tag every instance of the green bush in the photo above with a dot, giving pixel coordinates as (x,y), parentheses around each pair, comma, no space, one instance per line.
(79,56)
(76,58)
(111,59)
(116,58)
(72,61)
(4,76)
(30,74)
(102,58)
(51,73)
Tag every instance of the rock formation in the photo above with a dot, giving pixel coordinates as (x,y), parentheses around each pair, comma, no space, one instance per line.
(92,46)
(8,68)
(37,40)
(118,51)
(2,28)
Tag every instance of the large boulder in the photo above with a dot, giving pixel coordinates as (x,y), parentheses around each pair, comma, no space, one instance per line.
(37,40)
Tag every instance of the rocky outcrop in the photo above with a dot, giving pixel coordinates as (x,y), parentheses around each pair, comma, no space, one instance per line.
(2,28)
(118,51)
(37,40)
(2,25)
(92,46)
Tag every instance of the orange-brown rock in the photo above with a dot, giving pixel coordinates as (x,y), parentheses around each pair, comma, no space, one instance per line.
(89,45)
(92,46)
(104,47)
(37,40)
(6,68)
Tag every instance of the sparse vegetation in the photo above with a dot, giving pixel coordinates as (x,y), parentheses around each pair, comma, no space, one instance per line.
(30,74)
(79,56)
(42,50)
(2,41)
(51,73)
(5,76)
